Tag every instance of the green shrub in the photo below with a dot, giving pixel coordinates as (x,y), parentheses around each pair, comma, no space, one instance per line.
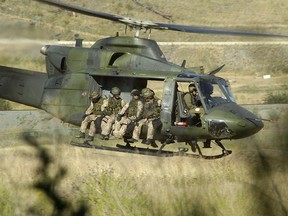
(277,98)
(4,105)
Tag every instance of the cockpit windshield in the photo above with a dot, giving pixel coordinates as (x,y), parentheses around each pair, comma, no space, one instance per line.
(215,92)
(226,87)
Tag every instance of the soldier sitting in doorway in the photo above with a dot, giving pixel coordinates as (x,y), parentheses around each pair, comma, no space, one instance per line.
(92,115)
(151,118)
(130,113)
(112,105)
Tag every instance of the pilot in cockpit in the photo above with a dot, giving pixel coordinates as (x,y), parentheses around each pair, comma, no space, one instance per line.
(193,105)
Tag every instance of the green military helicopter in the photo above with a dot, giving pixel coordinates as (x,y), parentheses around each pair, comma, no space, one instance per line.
(129,63)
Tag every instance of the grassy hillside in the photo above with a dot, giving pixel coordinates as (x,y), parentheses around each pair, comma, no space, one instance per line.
(264,16)
(245,64)
(250,181)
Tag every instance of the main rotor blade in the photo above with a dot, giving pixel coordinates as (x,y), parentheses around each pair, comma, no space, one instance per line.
(81,10)
(138,24)
(207,30)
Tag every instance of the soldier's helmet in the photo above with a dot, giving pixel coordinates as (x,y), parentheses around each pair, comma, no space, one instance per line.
(95,95)
(148,94)
(143,90)
(135,92)
(191,87)
(206,88)
(115,91)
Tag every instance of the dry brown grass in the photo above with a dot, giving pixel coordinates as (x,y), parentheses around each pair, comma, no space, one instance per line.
(251,181)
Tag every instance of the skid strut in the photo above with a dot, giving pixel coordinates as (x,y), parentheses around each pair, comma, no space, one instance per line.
(194,146)
(224,150)
(148,151)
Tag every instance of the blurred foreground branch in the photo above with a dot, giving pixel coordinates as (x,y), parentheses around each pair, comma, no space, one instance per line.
(48,183)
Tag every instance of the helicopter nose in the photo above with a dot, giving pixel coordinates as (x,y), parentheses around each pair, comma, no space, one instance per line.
(233,122)
(248,126)
(247,123)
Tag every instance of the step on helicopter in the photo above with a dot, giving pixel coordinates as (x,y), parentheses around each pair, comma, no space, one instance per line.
(73,73)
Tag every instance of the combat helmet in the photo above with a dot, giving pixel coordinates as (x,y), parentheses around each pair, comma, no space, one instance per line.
(191,87)
(95,95)
(115,91)
(148,93)
(135,92)
(143,90)
(207,88)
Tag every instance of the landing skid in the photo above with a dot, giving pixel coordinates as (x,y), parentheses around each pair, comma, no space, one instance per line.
(147,151)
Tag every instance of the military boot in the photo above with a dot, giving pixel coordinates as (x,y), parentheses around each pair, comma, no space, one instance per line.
(150,142)
(90,138)
(132,140)
(80,135)
(104,137)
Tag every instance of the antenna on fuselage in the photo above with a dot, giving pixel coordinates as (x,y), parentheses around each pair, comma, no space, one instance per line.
(137,33)
(149,35)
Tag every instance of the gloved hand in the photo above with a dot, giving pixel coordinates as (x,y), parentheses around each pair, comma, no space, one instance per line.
(137,119)
(186,111)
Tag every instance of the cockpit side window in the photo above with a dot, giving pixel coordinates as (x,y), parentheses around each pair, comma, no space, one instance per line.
(227,88)
(217,92)
(212,94)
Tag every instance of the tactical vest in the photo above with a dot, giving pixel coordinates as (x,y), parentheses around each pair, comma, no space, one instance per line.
(114,106)
(133,107)
(151,110)
(97,107)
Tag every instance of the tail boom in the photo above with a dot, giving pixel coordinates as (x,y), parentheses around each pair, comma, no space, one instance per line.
(22,86)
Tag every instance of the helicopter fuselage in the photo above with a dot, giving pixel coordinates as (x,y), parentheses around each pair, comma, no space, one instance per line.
(129,63)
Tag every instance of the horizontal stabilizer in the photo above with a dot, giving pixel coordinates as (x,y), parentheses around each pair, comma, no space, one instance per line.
(22,86)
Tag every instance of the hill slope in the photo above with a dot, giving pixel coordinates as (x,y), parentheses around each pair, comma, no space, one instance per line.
(245,64)
(265,16)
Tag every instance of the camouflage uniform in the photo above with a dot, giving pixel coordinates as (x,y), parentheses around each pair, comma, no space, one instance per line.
(112,105)
(144,91)
(131,112)
(193,105)
(92,113)
(97,111)
(151,112)
(190,102)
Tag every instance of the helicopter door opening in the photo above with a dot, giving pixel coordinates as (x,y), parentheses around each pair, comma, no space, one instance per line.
(93,86)
(178,108)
